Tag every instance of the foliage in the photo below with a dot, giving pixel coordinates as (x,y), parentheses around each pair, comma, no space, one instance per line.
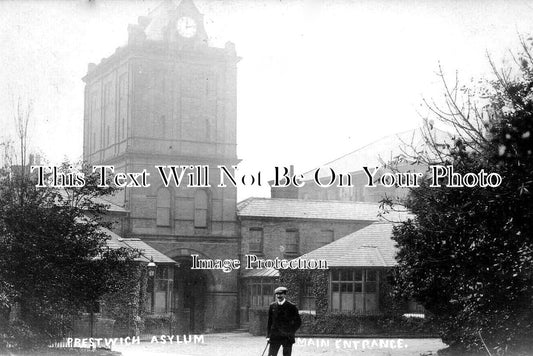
(17,335)
(126,304)
(391,303)
(53,254)
(358,324)
(294,279)
(467,256)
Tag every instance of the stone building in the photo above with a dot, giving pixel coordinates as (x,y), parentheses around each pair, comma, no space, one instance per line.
(168,98)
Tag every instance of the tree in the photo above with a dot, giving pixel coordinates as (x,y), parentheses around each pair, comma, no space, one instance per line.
(467,255)
(54,259)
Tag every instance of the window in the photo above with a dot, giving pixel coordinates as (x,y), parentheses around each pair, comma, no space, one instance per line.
(358,194)
(256,239)
(326,237)
(163,207)
(261,292)
(122,104)
(331,194)
(292,242)
(160,289)
(200,208)
(107,111)
(94,121)
(354,290)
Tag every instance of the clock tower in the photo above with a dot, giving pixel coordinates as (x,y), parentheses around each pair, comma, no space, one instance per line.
(169,98)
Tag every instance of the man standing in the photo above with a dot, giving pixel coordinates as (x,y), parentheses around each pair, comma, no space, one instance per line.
(283,321)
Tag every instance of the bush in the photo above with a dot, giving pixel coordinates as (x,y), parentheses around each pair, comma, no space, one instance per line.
(354,324)
(20,335)
(467,254)
(160,324)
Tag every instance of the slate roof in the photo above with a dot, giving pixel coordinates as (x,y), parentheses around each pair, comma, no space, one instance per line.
(371,246)
(111,206)
(385,149)
(315,209)
(264,272)
(147,251)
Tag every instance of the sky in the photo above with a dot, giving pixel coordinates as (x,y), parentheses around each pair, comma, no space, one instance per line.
(317,78)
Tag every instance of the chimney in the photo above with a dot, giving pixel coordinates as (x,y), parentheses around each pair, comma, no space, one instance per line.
(289,192)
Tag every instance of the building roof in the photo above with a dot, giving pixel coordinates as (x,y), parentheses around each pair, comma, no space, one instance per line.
(263,272)
(111,206)
(371,246)
(147,251)
(385,149)
(315,209)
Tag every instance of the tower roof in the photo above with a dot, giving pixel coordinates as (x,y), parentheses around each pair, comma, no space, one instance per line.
(160,24)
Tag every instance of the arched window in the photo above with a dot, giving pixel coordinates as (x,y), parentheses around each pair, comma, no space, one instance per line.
(201,207)
(163,207)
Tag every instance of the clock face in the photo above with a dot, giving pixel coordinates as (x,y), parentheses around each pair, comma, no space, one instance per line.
(186,27)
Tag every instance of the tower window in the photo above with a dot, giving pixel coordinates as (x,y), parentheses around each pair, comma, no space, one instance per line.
(201,207)
(122,104)
(163,207)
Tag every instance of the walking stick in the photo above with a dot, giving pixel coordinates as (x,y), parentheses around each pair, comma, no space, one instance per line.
(263,354)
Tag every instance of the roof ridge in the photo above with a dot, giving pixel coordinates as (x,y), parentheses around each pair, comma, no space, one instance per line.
(365,146)
(310,200)
(244,203)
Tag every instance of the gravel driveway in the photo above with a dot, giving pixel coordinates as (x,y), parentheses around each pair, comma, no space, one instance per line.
(243,344)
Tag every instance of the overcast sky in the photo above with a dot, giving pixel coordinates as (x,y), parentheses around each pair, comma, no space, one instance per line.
(317,79)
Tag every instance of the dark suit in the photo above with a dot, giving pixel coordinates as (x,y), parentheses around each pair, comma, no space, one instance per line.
(283,321)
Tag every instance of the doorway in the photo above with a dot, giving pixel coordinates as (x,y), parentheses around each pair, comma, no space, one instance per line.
(190,294)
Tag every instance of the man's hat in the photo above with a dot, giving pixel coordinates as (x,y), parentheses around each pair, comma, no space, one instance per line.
(280,290)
